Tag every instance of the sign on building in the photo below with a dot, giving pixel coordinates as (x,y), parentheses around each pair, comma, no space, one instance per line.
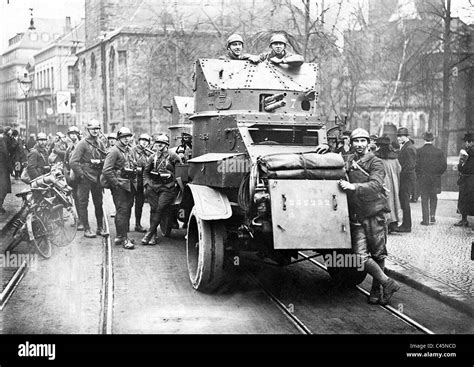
(63,99)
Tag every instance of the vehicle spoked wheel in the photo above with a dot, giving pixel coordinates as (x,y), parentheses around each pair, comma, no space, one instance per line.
(205,252)
(39,235)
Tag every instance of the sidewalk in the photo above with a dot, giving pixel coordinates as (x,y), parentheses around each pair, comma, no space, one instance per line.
(436,259)
(12,203)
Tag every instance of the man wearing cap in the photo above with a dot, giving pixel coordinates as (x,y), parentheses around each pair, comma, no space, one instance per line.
(431,163)
(466,180)
(37,160)
(86,162)
(278,53)
(73,135)
(367,208)
(120,168)
(407,159)
(142,153)
(235,46)
(160,185)
(5,183)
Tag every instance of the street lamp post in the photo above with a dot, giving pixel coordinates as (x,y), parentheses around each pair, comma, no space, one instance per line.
(25,85)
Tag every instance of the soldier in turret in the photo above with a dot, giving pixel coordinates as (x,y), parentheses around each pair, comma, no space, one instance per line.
(278,53)
(235,46)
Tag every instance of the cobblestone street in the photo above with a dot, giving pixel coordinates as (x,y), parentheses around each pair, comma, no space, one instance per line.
(440,251)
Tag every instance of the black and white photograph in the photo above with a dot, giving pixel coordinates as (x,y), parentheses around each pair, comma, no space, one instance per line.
(218,172)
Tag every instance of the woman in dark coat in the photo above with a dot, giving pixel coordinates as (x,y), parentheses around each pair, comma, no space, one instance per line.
(5,184)
(466,180)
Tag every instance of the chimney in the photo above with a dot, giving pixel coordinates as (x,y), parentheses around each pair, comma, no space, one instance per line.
(68,24)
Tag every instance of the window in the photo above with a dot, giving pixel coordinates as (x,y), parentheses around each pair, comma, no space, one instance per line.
(45,37)
(93,66)
(70,76)
(33,36)
(83,67)
(112,71)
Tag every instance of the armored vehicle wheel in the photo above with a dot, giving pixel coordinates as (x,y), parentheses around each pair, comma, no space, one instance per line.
(347,277)
(205,252)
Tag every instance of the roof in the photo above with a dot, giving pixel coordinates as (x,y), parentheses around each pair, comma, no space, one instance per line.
(184,104)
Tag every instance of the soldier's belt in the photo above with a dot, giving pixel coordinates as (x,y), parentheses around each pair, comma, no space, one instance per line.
(160,177)
(128,173)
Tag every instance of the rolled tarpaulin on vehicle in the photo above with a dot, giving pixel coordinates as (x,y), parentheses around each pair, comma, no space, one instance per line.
(296,161)
(309,174)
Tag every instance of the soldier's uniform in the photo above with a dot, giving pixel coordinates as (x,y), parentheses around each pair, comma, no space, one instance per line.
(160,187)
(38,160)
(120,174)
(141,157)
(285,57)
(86,162)
(67,170)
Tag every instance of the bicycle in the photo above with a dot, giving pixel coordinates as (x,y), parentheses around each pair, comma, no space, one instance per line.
(47,214)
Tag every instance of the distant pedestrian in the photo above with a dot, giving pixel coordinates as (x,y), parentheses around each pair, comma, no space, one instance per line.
(466,180)
(407,159)
(367,208)
(5,183)
(392,180)
(430,165)
(17,154)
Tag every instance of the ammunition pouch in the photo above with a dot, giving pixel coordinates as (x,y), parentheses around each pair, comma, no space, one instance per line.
(128,173)
(161,177)
(96,163)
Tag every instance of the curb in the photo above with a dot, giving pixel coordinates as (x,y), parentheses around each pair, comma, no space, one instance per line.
(431,287)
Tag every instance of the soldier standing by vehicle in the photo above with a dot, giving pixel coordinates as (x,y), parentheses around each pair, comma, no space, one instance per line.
(120,169)
(38,158)
(73,134)
(430,165)
(160,185)
(407,159)
(86,162)
(142,153)
(466,180)
(367,208)
(185,149)
(278,53)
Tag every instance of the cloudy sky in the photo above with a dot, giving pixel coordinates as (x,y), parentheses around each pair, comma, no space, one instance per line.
(15,14)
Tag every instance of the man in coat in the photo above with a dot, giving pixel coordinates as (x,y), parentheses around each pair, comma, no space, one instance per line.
(37,161)
(407,159)
(466,180)
(5,184)
(430,165)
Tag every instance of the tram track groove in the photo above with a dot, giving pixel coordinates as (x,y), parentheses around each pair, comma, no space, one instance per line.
(12,284)
(403,317)
(107,285)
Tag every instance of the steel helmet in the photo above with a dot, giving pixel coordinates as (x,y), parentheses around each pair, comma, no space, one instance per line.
(234,38)
(162,139)
(73,129)
(112,136)
(93,124)
(59,134)
(278,37)
(41,136)
(145,137)
(360,133)
(123,132)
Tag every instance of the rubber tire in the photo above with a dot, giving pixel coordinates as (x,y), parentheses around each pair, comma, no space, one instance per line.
(66,231)
(40,235)
(347,277)
(205,253)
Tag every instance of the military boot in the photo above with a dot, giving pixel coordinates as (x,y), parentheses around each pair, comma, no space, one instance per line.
(88,233)
(119,241)
(146,240)
(101,232)
(128,244)
(389,289)
(375,293)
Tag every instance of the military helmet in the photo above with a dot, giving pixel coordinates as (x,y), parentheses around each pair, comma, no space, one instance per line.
(162,139)
(59,134)
(278,37)
(402,131)
(93,124)
(145,137)
(123,132)
(73,129)
(234,38)
(360,133)
(41,136)
(112,136)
